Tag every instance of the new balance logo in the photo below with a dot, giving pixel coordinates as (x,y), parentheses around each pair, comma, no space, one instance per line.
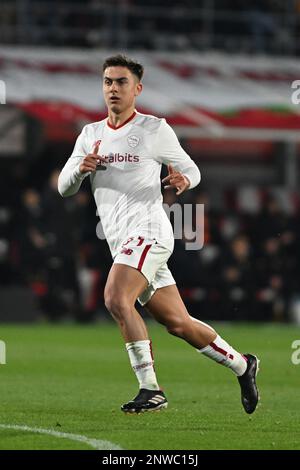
(127,251)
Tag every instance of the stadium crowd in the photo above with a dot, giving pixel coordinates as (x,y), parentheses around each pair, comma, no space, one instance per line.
(231,25)
(249,267)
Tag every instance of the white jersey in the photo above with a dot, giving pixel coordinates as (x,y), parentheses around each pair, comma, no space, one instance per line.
(128,193)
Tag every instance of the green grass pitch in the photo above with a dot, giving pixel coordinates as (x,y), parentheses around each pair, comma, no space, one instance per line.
(73,379)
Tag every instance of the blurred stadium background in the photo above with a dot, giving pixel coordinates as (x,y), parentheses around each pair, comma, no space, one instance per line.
(221,72)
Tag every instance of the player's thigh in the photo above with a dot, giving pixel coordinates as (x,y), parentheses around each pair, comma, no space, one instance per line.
(167,306)
(125,283)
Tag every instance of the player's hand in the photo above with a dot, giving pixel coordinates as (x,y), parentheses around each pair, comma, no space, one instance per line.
(177,180)
(91,161)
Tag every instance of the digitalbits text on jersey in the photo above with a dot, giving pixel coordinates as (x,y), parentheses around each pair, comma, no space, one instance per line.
(119,158)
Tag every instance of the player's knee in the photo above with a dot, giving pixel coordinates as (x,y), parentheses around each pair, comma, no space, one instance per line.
(176,328)
(117,305)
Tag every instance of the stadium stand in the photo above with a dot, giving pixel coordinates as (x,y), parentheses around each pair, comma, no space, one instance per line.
(218,79)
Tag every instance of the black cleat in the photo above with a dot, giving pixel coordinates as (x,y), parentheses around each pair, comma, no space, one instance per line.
(146,400)
(247,382)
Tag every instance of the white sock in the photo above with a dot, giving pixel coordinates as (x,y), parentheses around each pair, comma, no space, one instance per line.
(221,352)
(141,360)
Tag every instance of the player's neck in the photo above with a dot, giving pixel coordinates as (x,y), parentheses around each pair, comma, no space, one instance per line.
(117,120)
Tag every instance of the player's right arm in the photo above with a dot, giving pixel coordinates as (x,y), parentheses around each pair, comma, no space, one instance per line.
(80,164)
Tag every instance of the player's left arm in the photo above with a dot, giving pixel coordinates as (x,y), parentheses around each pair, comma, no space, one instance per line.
(183,172)
(176,180)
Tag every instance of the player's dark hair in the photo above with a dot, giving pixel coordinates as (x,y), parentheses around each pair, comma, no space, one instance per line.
(121,60)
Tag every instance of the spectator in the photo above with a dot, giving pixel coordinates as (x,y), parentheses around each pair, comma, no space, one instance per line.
(63,290)
(237,280)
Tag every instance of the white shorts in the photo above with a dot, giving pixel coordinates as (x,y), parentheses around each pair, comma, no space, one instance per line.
(150,258)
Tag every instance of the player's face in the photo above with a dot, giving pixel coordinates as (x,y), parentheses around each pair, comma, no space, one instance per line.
(120,88)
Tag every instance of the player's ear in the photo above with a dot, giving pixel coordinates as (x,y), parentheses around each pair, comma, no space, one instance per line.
(138,89)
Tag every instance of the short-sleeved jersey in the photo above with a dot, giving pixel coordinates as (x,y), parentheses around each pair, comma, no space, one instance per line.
(128,193)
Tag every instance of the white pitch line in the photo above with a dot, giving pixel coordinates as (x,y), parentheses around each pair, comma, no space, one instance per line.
(95,443)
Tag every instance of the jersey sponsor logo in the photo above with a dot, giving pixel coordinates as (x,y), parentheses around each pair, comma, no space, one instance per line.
(120,158)
(133,140)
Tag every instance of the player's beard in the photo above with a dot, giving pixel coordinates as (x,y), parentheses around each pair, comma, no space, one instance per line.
(115,108)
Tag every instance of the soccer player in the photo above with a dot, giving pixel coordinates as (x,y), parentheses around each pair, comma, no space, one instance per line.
(122,155)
